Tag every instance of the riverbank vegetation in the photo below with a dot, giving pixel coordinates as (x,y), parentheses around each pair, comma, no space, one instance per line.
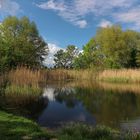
(122,75)
(112,55)
(114,75)
(18,128)
(13,127)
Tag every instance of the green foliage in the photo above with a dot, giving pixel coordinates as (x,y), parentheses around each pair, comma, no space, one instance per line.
(111,48)
(19,128)
(65,59)
(91,56)
(20,44)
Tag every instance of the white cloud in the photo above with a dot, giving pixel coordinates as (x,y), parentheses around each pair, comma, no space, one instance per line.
(131,16)
(9,7)
(75,11)
(81,23)
(53,48)
(105,23)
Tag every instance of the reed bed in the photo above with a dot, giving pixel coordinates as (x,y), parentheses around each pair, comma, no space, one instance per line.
(122,75)
(64,75)
(87,74)
(58,75)
(24,81)
(24,76)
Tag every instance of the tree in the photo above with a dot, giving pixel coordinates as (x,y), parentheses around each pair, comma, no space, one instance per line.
(118,47)
(20,43)
(90,57)
(65,59)
(111,48)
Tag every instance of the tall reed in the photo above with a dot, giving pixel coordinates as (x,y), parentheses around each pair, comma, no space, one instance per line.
(24,81)
(63,74)
(122,75)
(24,76)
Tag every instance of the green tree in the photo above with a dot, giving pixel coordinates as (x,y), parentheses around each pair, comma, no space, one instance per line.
(90,57)
(111,48)
(118,47)
(65,59)
(20,43)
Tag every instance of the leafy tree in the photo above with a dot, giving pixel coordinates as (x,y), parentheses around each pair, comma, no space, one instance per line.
(111,48)
(20,43)
(65,59)
(90,57)
(118,47)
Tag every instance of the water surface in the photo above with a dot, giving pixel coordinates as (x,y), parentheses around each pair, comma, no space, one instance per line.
(114,105)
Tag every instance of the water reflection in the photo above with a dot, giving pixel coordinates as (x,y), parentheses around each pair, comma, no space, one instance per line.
(114,105)
(91,103)
(63,107)
(26,105)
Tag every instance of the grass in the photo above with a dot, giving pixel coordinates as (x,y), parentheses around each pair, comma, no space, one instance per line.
(115,76)
(25,76)
(24,81)
(23,90)
(86,132)
(65,75)
(122,75)
(19,128)
(58,75)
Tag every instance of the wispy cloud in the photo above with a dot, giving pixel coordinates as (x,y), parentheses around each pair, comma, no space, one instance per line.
(131,16)
(9,7)
(76,11)
(66,10)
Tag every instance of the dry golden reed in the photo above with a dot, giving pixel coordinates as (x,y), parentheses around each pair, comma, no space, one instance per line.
(122,75)
(63,74)
(24,76)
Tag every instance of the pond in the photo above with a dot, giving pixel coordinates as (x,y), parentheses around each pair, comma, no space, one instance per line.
(114,105)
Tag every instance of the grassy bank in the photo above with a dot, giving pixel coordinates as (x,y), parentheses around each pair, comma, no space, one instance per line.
(19,128)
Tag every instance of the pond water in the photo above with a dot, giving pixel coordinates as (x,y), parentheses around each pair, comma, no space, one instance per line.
(114,105)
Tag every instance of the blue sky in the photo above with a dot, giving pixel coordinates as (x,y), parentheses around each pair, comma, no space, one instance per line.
(65,22)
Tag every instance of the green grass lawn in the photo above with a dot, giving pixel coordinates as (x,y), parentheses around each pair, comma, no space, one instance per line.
(19,128)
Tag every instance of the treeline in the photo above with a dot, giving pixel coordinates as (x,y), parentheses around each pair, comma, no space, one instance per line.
(111,47)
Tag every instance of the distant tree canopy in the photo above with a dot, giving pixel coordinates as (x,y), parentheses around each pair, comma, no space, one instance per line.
(20,43)
(111,48)
(65,58)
